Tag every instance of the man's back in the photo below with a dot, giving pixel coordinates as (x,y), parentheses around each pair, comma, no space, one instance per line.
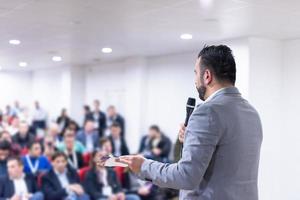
(233,169)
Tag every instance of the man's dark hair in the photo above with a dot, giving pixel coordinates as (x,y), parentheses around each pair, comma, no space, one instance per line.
(5,145)
(33,143)
(15,158)
(155,128)
(220,61)
(115,124)
(59,154)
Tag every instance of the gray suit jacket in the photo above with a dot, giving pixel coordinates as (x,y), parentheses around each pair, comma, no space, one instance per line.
(221,152)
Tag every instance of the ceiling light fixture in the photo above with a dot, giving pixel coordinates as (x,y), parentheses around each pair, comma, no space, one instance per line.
(14,42)
(57,58)
(106,50)
(23,64)
(186,36)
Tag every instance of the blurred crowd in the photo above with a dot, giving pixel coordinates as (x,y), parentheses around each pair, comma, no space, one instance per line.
(56,160)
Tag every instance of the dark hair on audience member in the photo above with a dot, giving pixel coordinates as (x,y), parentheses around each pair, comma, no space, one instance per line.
(92,163)
(5,145)
(155,128)
(33,143)
(220,61)
(87,108)
(15,158)
(115,124)
(103,140)
(59,154)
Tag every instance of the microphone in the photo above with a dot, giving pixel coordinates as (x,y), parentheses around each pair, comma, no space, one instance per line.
(190,105)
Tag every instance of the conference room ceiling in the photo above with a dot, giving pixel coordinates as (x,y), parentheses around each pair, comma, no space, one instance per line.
(77,30)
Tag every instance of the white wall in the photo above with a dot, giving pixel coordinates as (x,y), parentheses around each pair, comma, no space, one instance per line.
(51,87)
(290,137)
(265,86)
(15,86)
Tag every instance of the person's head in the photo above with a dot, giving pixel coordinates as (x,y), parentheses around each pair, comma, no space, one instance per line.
(15,167)
(17,104)
(96,104)
(15,122)
(86,109)
(69,138)
(96,155)
(214,69)
(115,130)
(106,145)
(53,129)
(4,150)
(35,149)
(73,125)
(154,131)
(59,161)
(5,136)
(36,104)
(111,111)
(49,141)
(89,126)
(23,128)
(64,112)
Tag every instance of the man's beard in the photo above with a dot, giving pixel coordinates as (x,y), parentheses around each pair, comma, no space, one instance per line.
(201,91)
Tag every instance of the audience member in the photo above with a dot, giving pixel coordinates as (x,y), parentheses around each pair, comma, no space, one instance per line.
(101,183)
(88,137)
(99,118)
(74,155)
(39,118)
(17,185)
(70,138)
(34,162)
(62,183)
(113,116)
(4,154)
(15,148)
(14,126)
(119,146)
(156,145)
(49,146)
(23,137)
(55,133)
(63,120)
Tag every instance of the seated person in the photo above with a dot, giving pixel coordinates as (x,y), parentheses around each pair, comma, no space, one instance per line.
(158,144)
(23,137)
(15,148)
(62,183)
(4,154)
(55,133)
(78,146)
(131,184)
(88,136)
(34,162)
(119,146)
(74,157)
(17,185)
(49,146)
(101,183)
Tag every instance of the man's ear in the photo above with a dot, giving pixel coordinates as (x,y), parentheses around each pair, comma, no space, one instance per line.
(207,77)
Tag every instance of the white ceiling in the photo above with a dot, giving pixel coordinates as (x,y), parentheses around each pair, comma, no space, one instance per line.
(78,29)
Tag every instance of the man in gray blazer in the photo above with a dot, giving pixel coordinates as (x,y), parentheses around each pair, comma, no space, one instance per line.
(222,141)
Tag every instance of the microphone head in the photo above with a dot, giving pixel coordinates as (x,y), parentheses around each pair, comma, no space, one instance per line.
(191,102)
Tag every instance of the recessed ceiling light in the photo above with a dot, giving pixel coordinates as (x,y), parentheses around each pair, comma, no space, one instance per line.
(14,42)
(106,50)
(56,58)
(23,64)
(186,36)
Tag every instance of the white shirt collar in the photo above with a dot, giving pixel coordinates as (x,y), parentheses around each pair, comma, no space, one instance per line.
(214,94)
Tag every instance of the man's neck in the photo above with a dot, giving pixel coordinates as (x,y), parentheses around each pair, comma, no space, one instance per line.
(215,88)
